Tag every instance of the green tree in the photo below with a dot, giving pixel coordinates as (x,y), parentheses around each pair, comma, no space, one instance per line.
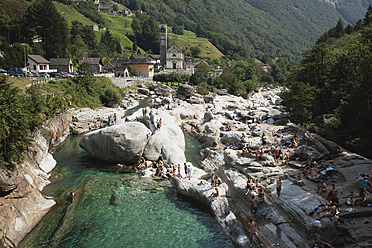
(244,70)
(195,51)
(298,99)
(43,21)
(14,124)
(115,7)
(85,70)
(368,17)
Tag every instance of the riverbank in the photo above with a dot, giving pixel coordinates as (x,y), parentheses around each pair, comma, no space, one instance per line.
(23,204)
(221,123)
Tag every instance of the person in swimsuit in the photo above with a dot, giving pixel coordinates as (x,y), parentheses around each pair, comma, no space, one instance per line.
(322,186)
(215,194)
(334,195)
(254,207)
(278,186)
(179,170)
(252,227)
(174,169)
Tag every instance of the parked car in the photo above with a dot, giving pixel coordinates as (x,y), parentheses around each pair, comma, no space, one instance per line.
(3,72)
(56,74)
(16,72)
(65,75)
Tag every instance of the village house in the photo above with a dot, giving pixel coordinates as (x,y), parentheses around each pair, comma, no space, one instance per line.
(265,67)
(126,13)
(95,27)
(142,65)
(156,58)
(62,64)
(96,63)
(104,9)
(38,64)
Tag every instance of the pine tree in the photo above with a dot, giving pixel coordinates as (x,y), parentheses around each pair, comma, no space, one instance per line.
(44,21)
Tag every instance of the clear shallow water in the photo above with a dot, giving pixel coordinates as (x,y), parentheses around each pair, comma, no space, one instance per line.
(111,208)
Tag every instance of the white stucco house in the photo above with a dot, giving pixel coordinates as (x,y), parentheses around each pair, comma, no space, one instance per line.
(38,64)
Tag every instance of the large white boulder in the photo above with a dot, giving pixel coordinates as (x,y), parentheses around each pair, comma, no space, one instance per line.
(118,144)
(168,141)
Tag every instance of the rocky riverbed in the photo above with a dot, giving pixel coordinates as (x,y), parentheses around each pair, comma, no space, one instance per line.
(224,124)
(219,122)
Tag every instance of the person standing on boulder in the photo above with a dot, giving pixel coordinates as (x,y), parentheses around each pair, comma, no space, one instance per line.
(252,227)
(334,195)
(179,170)
(279,186)
(254,207)
(185,168)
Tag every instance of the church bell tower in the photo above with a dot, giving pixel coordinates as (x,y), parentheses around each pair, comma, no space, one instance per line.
(163,43)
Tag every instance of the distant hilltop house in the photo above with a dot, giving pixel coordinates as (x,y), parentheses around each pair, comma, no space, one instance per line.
(265,67)
(95,27)
(104,9)
(96,63)
(62,64)
(78,1)
(38,64)
(126,13)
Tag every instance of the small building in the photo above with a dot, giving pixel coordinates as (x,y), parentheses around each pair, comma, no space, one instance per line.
(118,66)
(174,58)
(265,67)
(126,13)
(108,67)
(96,63)
(156,58)
(121,70)
(38,64)
(104,9)
(62,64)
(95,27)
(78,1)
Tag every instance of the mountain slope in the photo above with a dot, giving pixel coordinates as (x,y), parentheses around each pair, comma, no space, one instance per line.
(268,28)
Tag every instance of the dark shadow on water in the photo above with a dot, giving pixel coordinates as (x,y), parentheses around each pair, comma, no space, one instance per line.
(203,213)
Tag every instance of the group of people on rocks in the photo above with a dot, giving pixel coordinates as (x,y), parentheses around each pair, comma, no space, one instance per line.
(177,170)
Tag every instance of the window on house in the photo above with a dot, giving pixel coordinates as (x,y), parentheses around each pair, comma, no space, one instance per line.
(174,55)
(34,67)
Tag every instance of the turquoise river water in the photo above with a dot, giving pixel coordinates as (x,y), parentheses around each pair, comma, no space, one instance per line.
(114,208)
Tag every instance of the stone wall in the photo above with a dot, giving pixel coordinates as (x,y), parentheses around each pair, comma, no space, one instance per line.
(23,206)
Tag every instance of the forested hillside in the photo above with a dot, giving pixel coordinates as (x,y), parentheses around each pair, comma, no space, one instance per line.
(332,86)
(266,29)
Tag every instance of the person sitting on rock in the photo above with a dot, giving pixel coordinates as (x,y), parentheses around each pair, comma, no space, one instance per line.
(362,196)
(350,199)
(261,192)
(218,181)
(322,187)
(250,186)
(331,211)
(298,179)
(215,194)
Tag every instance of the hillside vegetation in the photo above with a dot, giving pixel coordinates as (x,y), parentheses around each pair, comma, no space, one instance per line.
(332,86)
(267,28)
